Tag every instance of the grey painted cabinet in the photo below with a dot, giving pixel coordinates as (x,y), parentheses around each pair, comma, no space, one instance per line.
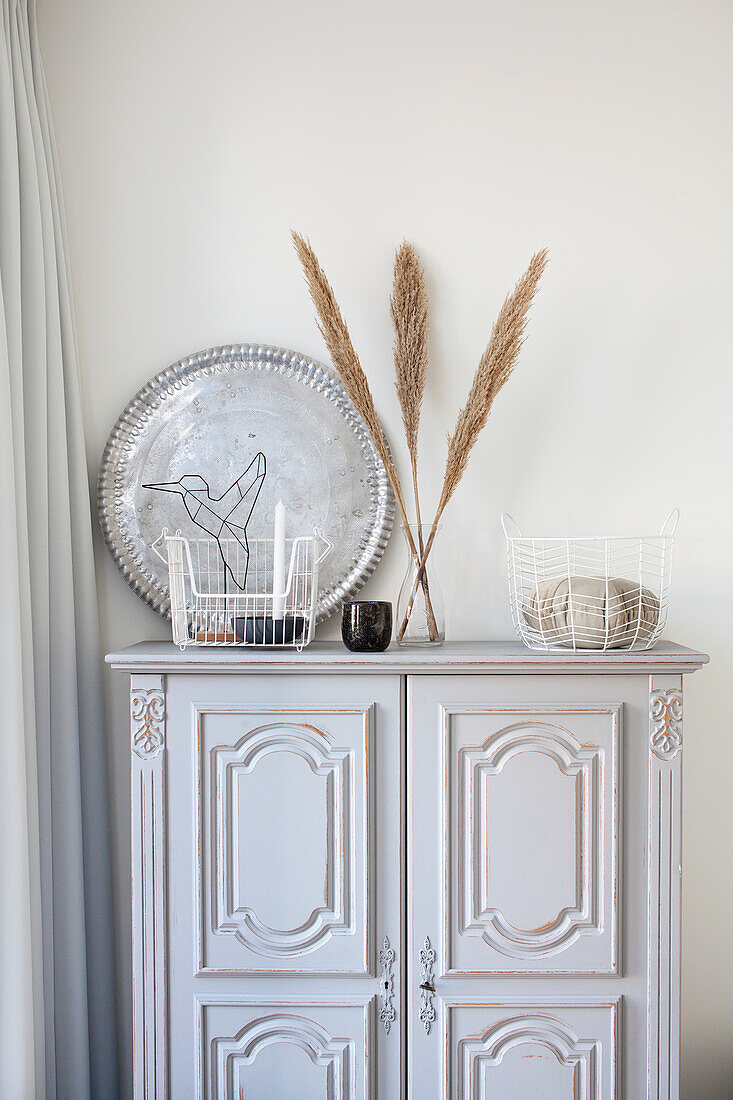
(451,875)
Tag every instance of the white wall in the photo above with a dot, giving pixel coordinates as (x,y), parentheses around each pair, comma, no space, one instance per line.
(193,135)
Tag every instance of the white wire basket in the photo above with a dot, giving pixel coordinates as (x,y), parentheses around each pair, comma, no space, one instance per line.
(590,593)
(208,606)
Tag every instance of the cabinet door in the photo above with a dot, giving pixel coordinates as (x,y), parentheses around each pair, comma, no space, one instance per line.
(285,879)
(514,851)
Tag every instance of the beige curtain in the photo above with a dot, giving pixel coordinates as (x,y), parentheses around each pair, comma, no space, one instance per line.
(57,1026)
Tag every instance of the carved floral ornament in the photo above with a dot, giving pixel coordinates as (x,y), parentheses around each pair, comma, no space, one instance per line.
(147,717)
(665,719)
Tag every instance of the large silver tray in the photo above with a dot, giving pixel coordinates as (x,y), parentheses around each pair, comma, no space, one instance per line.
(210,413)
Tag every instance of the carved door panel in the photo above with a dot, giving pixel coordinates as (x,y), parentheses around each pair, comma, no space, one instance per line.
(284,1049)
(517,1051)
(282,847)
(284,811)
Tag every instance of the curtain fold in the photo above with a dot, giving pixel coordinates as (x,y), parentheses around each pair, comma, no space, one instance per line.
(57,1030)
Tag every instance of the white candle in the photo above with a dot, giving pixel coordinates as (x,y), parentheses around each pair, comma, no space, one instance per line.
(278,563)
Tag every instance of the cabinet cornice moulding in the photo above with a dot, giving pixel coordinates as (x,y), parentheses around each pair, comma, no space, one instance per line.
(508,657)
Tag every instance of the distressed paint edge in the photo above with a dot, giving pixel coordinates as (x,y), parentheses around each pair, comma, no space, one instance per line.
(151,1068)
(664,891)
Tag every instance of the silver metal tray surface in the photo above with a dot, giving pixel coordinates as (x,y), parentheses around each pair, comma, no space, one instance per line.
(210,414)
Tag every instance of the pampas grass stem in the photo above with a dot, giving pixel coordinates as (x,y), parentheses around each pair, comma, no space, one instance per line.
(343,355)
(409,309)
(495,367)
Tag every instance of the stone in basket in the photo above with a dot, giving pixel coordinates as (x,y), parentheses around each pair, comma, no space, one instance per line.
(592,613)
(598,592)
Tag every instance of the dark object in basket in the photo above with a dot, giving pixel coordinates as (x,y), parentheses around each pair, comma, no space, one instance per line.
(366,625)
(264,630)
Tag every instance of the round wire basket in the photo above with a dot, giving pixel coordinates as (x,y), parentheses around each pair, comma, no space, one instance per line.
(595,592)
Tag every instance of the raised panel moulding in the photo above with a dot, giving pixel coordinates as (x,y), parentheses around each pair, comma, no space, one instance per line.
(300,1045)
(335,916)
(476,1056)
(231,1056)
(524,1049)
(480,766)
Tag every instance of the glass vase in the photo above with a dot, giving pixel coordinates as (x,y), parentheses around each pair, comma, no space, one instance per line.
(420,613)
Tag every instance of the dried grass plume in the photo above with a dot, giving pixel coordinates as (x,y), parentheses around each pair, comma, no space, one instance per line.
(495,367)
(334,331)
(409,309)
(343,355)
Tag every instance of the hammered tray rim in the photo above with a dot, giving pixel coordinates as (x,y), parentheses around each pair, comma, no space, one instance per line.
(221,359)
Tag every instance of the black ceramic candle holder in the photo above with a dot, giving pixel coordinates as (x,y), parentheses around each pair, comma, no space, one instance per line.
(366,625)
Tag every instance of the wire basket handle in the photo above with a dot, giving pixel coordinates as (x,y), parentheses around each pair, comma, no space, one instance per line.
(163,538)
(318,533)
(670,524)
(506,519)
(160,541)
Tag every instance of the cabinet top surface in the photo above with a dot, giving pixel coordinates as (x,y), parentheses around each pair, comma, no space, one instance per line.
(486,657)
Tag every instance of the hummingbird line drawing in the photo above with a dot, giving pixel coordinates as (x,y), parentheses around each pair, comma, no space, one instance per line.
(225,517)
